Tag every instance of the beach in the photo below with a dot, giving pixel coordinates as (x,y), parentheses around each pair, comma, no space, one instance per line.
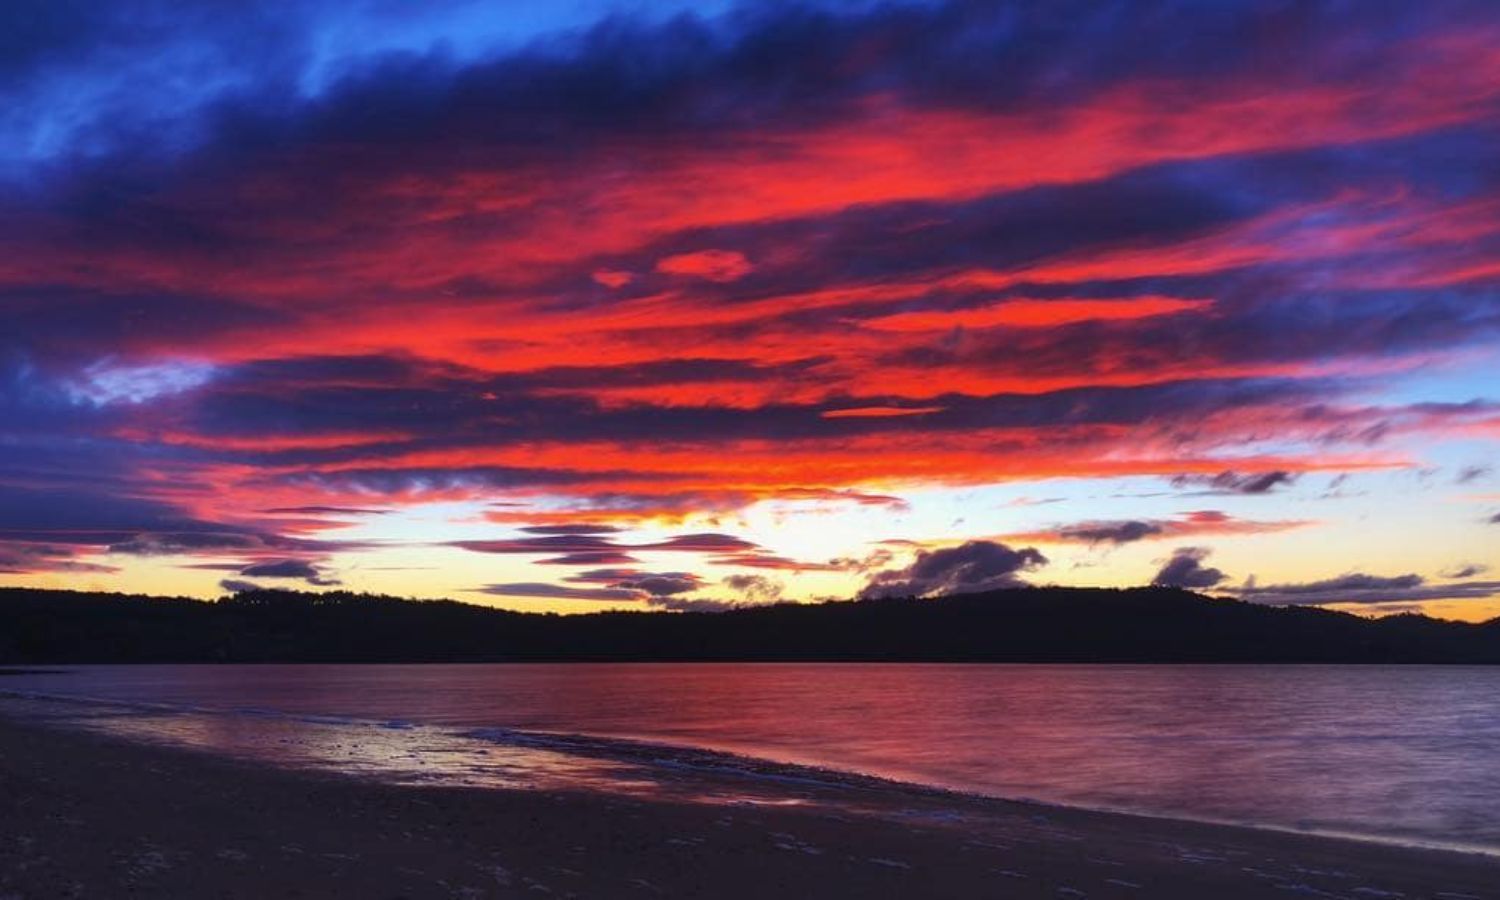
(91,815)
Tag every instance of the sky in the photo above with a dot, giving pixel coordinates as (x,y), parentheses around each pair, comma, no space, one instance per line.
(572,306)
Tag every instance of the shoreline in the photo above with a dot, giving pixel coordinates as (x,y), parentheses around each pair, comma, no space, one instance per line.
(701,763)
(126,816)
(815,776)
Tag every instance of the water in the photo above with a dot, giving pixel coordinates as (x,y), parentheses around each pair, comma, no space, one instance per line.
(1405,753)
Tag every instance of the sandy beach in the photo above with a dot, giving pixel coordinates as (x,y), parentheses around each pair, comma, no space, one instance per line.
(87,815)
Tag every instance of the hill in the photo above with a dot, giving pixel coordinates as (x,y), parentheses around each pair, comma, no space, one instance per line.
(1027,625)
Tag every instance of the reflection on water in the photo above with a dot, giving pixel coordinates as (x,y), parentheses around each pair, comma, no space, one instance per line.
(403,753)
(1397,751)
(393,753)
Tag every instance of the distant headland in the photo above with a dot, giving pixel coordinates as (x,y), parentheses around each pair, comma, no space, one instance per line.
(1140,625)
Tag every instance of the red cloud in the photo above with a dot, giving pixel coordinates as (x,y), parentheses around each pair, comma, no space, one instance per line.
(712,265)
(1033,313)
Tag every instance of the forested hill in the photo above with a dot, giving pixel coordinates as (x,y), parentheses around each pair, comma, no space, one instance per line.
(1027,625)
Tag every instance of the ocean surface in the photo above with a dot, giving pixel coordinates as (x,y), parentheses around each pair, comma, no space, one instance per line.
(1400,753)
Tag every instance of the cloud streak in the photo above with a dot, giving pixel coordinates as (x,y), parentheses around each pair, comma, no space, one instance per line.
(1128,531)
(1361,588)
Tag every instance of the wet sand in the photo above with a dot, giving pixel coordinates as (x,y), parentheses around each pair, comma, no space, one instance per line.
(87,815)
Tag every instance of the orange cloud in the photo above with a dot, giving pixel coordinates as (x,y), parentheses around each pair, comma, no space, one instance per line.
(879,412)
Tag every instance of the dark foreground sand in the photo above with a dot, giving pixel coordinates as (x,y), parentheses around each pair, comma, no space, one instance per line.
(83,815)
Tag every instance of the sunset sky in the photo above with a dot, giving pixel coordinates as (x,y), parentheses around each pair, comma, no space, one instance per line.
(584,305)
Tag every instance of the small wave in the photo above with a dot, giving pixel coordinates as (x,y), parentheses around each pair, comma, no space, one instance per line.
(684,758)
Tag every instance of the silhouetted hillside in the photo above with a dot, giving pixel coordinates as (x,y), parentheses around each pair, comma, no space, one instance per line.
(1032,625)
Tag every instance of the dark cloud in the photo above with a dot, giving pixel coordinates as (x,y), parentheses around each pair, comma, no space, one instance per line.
(1006,229)
(968,568)
(449,411)
(1263,483)
(85,515)
(755,588)
(589,558)
(706,542)
(238,586)
(692,604)
(667,584)
(1110,532)
(416,481)
(1358,587)
(611,575)
(300,569)
(325,511)
(686,77)
(567,544)
(761,560)
(1354,581)
(1186,570)
(1468,570)
(872,561)
(1230,482)
(596,546)
(175,543)
(1470,474)
(613,584)
(30,559)
(562,592)
(171,543)
(73,325)
(1184,525)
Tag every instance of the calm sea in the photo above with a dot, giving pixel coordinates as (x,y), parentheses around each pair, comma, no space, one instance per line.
(1396,752)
